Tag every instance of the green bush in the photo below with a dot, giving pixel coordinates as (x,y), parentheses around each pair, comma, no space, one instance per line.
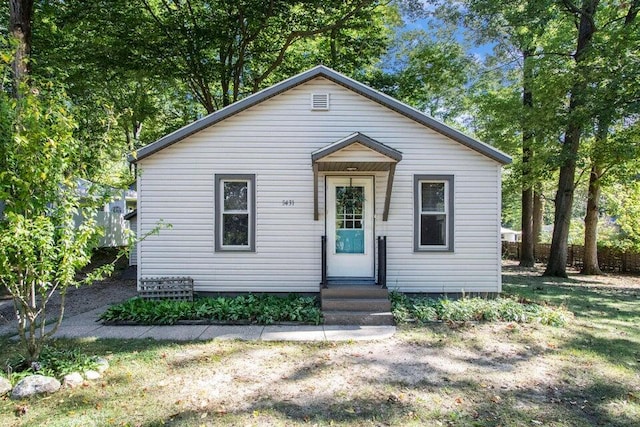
(260,309)
(54,361)
(422,310)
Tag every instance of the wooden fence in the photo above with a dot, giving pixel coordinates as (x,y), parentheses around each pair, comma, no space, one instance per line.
(608,259)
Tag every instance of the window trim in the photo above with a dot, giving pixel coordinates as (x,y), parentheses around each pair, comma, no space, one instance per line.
(449,211)
(251,205)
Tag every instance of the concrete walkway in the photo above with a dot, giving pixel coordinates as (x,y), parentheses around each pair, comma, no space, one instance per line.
(86,325)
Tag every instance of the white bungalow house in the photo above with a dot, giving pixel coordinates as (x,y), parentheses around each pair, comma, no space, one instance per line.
(321,181)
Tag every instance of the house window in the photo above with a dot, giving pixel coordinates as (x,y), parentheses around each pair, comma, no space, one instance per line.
(235,213)
(433,224)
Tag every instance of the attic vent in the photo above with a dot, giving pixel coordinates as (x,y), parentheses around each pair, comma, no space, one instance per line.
(319,101)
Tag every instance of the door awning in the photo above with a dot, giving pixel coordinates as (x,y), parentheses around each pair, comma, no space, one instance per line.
(356,153)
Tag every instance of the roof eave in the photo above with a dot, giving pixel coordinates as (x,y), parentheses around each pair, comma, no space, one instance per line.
(222,114)
(360,138)
(319,71)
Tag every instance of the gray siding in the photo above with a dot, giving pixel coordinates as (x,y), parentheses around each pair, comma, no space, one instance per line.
(274,140)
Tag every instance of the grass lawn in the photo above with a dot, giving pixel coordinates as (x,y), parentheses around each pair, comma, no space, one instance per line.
(587,373)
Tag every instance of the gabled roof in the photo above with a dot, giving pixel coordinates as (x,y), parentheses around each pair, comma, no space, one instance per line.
(354,138)
(334,76)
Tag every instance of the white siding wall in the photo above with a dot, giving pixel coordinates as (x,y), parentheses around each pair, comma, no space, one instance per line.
(274,140)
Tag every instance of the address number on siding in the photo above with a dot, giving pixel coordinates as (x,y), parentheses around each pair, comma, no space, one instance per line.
(288,202)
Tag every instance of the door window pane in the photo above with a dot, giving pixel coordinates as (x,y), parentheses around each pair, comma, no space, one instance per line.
(350,220)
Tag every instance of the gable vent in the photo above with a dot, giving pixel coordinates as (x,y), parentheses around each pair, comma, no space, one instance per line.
(319,101)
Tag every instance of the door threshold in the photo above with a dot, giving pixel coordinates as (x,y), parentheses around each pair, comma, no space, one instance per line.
(351,281)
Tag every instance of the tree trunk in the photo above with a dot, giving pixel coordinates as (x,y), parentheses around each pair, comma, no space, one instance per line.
(526,254)
(538,216)
(590,265)
(333,48)
(557,264)
(20,18)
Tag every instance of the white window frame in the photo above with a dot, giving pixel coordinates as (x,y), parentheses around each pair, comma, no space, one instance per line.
(220,180)
(448,181)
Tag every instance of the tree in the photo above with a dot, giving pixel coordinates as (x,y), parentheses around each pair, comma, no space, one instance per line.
(137,70)
(523,50)
(224,50)
(623,202)
(585,21)
(594,21)
(427,68)
(615,102)
(20,20)
(431,72)
(520,30)
(41,250)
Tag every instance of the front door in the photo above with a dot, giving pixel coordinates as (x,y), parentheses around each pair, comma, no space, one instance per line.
(350,246)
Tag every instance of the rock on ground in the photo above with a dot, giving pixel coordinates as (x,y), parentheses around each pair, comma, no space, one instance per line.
(91,374)
(72,380)
(5,386)
(103,364)
(35,384)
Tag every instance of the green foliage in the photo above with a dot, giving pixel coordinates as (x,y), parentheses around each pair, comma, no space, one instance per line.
(55,361)
(623,203)
(260,309)
(139,69)
(432,72)
(41,248)
(422,310)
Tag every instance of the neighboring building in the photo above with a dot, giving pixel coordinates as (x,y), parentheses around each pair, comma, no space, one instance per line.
(508,235)
(255,191)
(132,217)
(111,216)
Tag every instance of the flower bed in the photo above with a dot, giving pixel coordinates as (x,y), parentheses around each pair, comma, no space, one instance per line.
(422,310)
(255,309)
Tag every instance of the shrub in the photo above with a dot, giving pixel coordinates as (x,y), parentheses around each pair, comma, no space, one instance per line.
(55,361)
(422,310)
(261,309)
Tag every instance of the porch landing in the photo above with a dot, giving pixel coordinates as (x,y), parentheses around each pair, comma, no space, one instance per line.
(355,302)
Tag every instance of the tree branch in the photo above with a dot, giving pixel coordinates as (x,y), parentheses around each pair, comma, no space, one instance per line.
(632,13)
(297,35)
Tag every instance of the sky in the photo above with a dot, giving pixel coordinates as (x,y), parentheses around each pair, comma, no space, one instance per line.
(427,24)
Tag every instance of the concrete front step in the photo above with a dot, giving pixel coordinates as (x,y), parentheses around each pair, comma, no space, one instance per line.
(366,318)
(356,304)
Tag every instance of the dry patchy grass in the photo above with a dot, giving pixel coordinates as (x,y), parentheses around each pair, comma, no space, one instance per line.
(484,374)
